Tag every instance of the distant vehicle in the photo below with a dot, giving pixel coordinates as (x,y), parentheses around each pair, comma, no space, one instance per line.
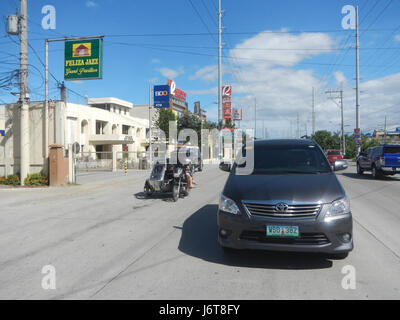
(194,154)
(168,178)
(381,160)
(333,155)
(292,201)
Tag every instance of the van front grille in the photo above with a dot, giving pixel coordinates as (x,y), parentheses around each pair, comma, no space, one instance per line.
(292,211)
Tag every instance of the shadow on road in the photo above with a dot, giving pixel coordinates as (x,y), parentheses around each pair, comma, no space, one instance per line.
(163,196)
(199,239)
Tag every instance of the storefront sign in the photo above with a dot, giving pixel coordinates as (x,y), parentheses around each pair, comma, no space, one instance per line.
(83,59)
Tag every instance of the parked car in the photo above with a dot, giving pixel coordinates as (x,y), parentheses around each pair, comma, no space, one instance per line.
(292,201)
(381,160)
(333,155)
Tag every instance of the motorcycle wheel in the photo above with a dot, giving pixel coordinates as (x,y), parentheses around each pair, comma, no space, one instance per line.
(147,189)
(175,192)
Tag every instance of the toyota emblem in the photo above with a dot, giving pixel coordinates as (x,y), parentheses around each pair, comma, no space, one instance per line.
(281,207)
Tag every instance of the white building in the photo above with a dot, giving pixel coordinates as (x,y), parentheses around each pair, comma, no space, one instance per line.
(103,128)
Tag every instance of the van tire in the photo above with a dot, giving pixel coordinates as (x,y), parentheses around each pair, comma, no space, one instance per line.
(375,173)
(359,170)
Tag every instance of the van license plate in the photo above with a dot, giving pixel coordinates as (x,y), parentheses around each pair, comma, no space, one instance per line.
(282,231)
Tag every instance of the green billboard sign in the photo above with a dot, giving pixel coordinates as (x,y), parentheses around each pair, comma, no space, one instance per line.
(83,59)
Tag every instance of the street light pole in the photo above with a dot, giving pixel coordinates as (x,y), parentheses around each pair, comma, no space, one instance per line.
(150,123)
(357,80)
(220,113)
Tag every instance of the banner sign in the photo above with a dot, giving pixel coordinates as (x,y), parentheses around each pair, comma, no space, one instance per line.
(2,133)
(178,93)
(227,101)
(237,114)
(83,59)
(161,96)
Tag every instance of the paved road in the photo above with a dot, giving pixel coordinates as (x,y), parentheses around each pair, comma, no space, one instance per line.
(106,241)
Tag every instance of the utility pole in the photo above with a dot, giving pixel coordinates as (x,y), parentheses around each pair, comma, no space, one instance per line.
(313,111)
(63,92)
(384,136)
(357,80)
(46,100)
(298,127)
(24,94)
(333,95)
(220,112)
(342,118)
(263,131)
(150,124)
(255,118)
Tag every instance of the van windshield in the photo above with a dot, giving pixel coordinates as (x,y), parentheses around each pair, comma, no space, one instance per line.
(302,159)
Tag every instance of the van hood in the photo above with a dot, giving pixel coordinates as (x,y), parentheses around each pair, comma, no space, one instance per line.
(310,188)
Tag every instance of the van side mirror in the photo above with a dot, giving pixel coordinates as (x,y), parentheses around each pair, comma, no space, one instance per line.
(225,166)
(340,165)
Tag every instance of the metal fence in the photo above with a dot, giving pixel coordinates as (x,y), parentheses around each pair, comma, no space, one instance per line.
(94,161)
(133,160)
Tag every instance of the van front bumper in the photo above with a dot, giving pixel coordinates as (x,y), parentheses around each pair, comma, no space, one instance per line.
(316,234)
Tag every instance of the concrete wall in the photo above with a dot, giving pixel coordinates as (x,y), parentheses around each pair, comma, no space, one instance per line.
(10,143)
(68,123)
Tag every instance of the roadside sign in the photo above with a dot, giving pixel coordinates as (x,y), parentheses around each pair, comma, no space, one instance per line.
(357,132)
(83,59)
(161,96)
(227,101)
(76,147)
(2,133)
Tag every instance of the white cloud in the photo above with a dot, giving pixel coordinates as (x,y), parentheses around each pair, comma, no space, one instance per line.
(281,49)
(171,73)
(339,78)
(207,74)
(283,89)
(91,4)
(397,38)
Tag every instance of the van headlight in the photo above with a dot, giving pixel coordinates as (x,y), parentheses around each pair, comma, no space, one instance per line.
(228,205)
(339,207)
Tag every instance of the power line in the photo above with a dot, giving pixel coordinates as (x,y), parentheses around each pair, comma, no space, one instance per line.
(201,19)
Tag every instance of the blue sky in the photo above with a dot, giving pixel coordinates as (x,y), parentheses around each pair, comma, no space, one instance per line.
(149,41)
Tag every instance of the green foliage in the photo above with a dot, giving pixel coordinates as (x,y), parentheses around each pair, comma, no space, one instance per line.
(209,125)
(327,140)
(165,116)
(229,124)
(11,180)
(36,179)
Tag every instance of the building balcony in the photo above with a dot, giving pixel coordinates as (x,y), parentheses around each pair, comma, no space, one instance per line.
(110,139)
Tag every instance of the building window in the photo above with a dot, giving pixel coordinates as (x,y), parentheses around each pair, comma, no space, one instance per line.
(125,129)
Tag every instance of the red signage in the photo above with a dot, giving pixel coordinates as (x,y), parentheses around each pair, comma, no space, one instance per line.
(227,101)
(237,114)
(178,93)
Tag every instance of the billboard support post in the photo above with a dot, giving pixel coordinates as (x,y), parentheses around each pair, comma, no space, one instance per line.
(46,87)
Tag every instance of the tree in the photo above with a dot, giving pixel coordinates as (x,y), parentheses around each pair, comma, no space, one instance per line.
(326,140)
(164,117)
(190,121)
(229,123)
